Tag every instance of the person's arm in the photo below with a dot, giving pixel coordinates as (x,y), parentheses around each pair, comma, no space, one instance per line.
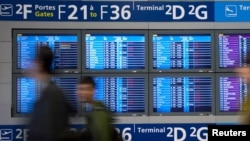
(101,130)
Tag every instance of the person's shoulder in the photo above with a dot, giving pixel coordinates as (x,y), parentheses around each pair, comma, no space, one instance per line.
(53,87)
(97,105)
(55,91)
(102,110)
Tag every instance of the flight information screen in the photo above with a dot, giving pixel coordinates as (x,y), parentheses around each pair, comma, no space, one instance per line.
(232,92)
(115,52)
(182,52)
(28,92)
(182,94)
(122,94)
(64,47)
(233,50)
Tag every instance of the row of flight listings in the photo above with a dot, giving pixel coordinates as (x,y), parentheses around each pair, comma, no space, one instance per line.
(144,94)
(88,51)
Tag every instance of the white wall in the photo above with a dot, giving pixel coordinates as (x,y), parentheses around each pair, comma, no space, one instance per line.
(6,64)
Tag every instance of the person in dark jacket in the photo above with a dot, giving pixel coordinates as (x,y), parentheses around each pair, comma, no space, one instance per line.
(50,113)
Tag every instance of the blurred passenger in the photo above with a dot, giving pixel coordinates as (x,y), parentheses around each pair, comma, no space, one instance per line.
(99,119)
(244,72)
(50,114)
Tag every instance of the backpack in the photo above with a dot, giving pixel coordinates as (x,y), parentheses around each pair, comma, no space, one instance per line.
(86,134)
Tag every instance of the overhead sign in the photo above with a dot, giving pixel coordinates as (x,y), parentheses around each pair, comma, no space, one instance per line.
(17,10)
(129,132)
(232,11)
(118,11)
(148,132)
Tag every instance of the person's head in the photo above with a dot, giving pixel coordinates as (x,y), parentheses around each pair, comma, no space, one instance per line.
(244,72)
(42,63)
(86,89)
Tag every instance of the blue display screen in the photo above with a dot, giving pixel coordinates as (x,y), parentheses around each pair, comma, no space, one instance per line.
(182,94)
(115,52)
(28,92)
(122,94)
(182,52)
(64,47)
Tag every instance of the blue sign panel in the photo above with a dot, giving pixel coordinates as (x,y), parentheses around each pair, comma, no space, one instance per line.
(17,10)
(232,11)
(129,132)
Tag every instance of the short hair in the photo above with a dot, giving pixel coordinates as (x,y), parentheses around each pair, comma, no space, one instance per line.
(88,80)
(45,57)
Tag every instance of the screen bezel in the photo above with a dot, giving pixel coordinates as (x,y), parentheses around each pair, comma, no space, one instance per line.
(145,113)
(151,113)
(218,112)
(59,32)
(230,31)
(181,32)
(114,32)
(14,112)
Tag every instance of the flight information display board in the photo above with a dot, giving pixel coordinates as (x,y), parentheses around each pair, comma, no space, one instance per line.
(233,49)
(232,93)
(182,52)
(123,94)
(65,47)
(115,52)
(27,92)
(182,94)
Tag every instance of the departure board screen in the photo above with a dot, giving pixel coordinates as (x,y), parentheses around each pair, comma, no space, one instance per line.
(182,52)
(232,93)
(182,94)
(28,92)
(64,47)
(122,94)
(233,50)
(115,52)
